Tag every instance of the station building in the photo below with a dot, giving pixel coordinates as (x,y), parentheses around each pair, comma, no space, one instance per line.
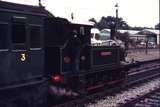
(150,35)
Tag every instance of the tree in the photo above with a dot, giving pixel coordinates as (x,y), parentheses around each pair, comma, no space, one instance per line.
(157,26)
(140,28)
(110,22)
(93,20)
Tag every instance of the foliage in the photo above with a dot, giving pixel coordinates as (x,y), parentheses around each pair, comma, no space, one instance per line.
(140,28)
(110,22)
(93,20)
(157,26)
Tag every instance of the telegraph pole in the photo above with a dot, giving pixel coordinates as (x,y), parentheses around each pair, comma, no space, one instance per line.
(116,10)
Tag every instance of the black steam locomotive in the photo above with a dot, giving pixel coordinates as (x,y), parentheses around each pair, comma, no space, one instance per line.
(42,55)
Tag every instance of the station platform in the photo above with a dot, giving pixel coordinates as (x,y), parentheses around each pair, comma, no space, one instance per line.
(141,55)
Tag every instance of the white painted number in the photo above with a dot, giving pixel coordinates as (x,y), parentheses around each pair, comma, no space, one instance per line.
(23,57)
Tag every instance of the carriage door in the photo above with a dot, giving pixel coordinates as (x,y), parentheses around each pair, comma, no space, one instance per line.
(4,52)
(19,54)
(26,61)
(36,49)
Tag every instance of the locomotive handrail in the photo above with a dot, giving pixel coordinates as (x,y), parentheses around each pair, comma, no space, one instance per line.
(35,49)
(4,50)
(65,44)
(19,50)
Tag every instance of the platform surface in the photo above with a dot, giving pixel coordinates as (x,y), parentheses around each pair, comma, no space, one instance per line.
(141,55)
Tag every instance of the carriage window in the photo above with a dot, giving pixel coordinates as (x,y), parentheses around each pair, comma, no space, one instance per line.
(3,36)
(35,36)
(18,33)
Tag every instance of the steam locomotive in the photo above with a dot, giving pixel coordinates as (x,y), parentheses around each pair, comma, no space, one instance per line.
(42,55)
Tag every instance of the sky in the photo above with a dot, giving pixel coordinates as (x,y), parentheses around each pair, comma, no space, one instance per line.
(144,13)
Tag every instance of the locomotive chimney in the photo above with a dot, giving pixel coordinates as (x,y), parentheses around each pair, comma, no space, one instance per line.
(72,16)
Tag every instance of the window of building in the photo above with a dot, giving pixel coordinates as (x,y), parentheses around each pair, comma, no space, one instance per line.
(35,37)
(18,33)
(3,36)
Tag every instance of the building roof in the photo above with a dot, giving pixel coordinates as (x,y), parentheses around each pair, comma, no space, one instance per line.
(153,31)
(145,31)
(82,22)
(132,32)
(26,9)
(107,30)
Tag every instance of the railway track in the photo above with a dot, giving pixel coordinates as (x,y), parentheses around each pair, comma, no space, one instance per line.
(129,97)
(150,99)
(147,70)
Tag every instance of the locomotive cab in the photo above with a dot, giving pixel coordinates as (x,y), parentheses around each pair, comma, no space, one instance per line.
(63,39)
(66,50)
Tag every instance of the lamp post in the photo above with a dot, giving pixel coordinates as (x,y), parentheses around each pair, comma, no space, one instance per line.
(116,10)
(116,23)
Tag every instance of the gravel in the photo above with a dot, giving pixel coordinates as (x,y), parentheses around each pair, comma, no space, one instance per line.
(125,96)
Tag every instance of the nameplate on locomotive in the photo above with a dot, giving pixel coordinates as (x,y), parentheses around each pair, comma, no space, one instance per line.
(106,53)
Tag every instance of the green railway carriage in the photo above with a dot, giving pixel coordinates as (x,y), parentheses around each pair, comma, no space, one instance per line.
(21,54)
